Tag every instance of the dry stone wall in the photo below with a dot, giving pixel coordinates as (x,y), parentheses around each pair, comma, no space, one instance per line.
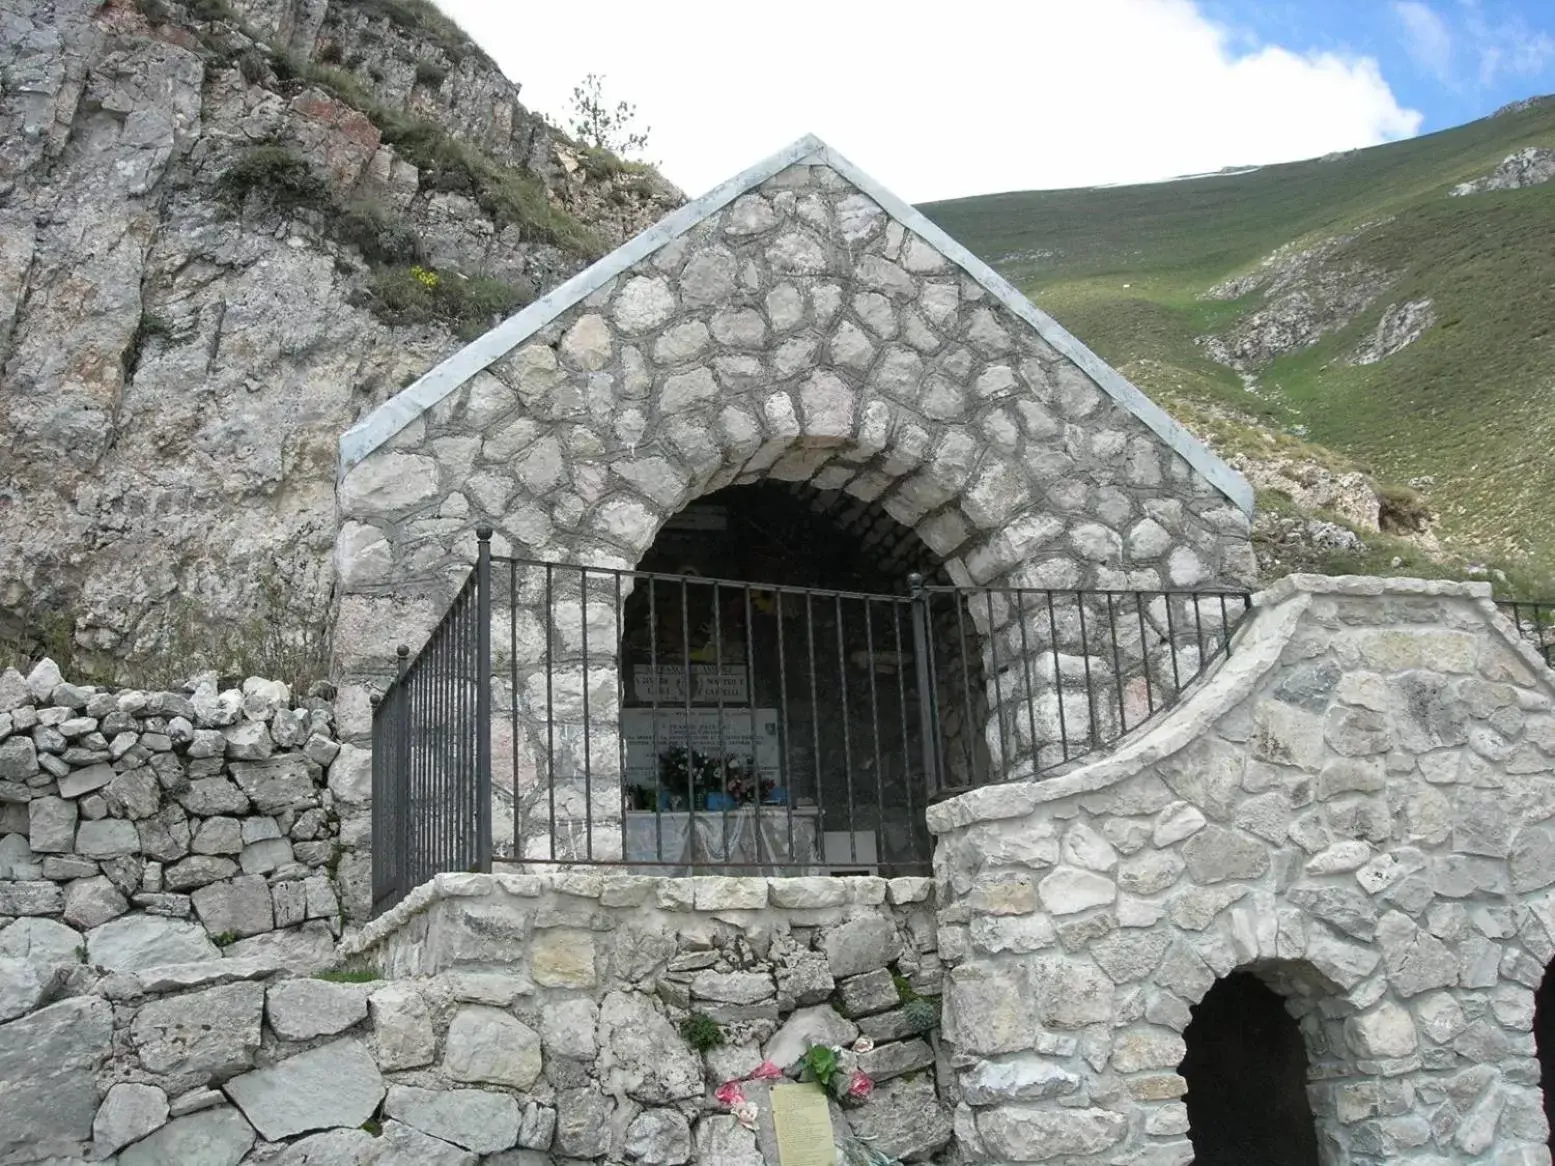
(528,1021)
(1356,808)
(162,827)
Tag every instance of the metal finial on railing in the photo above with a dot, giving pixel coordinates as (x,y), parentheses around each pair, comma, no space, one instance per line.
(403,652)
(484,533)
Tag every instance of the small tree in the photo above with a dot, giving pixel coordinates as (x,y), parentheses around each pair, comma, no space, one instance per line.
(596,124)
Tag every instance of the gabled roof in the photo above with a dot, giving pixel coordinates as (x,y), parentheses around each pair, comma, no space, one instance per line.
(404,407)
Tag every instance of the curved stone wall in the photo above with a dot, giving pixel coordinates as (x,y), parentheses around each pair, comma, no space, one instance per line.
(1357,808)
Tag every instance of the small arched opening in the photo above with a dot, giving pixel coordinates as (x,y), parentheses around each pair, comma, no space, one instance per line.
(1247,1070)
(1544,1043)
(771,688)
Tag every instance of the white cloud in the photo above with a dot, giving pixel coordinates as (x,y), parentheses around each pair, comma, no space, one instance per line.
(1469,50)
(1507,48)
(935,102)
(1427,37)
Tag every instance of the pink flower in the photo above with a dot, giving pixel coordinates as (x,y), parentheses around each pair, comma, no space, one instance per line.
(859,1085)
(863,1045)
(730,1094)
(745,1113)
(766,1071)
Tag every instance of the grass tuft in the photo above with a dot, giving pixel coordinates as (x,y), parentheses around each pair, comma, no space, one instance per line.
(378,233)
(701,1032)
(278,174)
(419,295)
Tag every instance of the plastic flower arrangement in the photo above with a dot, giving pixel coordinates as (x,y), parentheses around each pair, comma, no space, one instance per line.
(833,1068)
(836,1070)
(733,1098)
(691,779)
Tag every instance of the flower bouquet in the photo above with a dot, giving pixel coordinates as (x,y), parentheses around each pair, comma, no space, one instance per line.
(836,1070)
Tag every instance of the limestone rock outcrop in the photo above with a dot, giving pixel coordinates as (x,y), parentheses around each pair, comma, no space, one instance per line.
(199,206)
(1531,166)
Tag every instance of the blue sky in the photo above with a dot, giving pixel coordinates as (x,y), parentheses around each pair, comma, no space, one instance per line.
(993,95)
(1452,60)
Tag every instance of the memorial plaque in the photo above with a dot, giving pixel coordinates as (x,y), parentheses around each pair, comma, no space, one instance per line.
(802,1117)
(648,733)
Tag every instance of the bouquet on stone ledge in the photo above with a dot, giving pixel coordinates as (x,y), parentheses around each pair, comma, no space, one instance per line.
(689,779)
(834,1068)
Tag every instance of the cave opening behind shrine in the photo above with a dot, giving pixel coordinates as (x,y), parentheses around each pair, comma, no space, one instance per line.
(772,712)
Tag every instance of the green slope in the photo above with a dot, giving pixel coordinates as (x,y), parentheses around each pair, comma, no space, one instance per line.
(1471,403)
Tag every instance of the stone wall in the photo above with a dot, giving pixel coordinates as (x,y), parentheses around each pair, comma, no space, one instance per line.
(529,1021)
(1356,808)
(163,825)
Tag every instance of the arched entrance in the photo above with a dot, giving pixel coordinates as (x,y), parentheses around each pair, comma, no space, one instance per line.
(774,667)
(797,324)
(1246,1068)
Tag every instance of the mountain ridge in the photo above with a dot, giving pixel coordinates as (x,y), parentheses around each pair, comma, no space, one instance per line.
(1366,321)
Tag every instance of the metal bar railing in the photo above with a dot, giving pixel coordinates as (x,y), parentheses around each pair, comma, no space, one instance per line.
(756,727)
(682,724)
(431,809)
(1047,677)
(771,728)
(1535,622)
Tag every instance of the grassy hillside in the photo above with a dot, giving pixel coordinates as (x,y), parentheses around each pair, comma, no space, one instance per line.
(1470,404)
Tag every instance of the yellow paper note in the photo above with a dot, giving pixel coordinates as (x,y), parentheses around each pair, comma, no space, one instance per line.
(803,1123)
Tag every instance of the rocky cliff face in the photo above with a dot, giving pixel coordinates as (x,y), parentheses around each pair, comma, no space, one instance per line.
(225,231)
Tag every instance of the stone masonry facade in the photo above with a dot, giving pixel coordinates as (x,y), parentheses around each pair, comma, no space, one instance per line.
(798,332)
(1357,808)
(498,1019)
